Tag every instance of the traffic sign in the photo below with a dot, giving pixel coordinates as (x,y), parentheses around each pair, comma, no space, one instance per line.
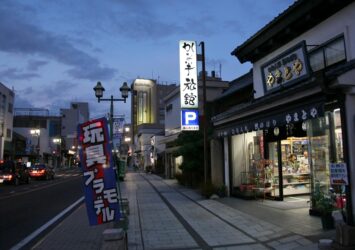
(189,119)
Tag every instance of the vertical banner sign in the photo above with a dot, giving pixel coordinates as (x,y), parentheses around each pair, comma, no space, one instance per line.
(188,85)
(117,135)
(188,75)
(98,175)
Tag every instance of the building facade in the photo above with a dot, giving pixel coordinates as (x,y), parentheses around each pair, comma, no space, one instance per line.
(76,114)
(39,129)
(298,130)
(7,97)
(215,86)
(147,118)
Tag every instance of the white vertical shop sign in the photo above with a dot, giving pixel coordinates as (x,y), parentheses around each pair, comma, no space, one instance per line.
(188,75)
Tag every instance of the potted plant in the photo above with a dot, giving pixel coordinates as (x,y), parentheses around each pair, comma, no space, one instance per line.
(325,206)
(222,191)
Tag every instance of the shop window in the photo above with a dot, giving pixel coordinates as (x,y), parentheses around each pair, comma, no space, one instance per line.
(291,176)
(328,54)
(335,52)
(247,151)
(338,137)
(325,137)
(316,60)
(10,108)
(143,108)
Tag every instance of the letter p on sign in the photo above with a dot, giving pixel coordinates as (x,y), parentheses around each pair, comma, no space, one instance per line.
(189,119)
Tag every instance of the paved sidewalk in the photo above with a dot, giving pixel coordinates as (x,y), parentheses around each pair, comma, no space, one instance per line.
(212,224)
(164,215)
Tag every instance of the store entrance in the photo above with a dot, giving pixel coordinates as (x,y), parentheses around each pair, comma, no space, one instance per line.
(290,168)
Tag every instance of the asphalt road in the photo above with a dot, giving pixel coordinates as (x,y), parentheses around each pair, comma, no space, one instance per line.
(25,208)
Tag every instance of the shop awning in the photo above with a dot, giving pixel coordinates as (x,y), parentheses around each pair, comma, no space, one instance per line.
(276,117)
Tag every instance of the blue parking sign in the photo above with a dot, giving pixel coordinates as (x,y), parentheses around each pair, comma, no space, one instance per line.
(189,119)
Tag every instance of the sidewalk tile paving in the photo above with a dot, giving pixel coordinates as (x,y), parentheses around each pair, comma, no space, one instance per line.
(164,215)
(160,228)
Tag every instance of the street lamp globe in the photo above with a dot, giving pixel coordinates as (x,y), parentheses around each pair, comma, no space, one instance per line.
(57,140)
(99,90)
(124,90)
(35,132)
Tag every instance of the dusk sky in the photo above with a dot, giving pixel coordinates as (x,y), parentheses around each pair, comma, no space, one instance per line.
(52,52)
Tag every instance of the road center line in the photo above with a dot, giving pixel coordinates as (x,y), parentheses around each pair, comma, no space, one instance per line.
(33,235)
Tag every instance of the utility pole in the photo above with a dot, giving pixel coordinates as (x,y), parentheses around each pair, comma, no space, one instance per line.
(204,101)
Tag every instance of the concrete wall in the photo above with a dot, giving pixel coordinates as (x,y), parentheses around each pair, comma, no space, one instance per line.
(70,120)
(6,117)
(172,116)
(217,167)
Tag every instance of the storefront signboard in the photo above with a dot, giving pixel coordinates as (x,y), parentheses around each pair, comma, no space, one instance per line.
(99,178)
(188,74)
(286,69)
(338,174)
(300,114)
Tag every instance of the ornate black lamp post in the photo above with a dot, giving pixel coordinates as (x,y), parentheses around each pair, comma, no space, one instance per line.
(99,91)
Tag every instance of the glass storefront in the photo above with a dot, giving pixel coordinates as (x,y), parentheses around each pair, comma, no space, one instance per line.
(247,149)
(290,160)
(325,138)
(294,174)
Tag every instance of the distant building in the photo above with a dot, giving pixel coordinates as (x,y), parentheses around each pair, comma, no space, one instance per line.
(6,118)
(148,116)
(49,139)
(37,129)
(77,113)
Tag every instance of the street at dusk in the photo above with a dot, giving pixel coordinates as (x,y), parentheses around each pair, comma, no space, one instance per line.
(177,125)
(25,208)
(164,215)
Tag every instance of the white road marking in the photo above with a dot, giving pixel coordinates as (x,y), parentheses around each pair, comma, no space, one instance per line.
(33,235)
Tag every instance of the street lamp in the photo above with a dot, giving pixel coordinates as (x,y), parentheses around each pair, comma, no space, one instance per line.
(99,91)
(58,142)
(37,133)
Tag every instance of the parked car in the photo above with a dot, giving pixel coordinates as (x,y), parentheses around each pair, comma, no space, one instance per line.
(14,173)
(41,171)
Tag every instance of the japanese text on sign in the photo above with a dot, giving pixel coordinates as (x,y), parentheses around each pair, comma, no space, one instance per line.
(99,177)
(188,74)
(290,66)
(338,174)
